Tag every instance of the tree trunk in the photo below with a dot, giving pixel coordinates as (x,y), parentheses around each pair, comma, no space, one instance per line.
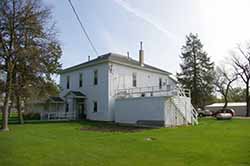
(247,99)
(10,107)
(225,96)
(226,101)
(6,102)
(194,82)
(19,110)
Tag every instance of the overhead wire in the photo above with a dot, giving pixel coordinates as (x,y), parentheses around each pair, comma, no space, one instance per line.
(83,28)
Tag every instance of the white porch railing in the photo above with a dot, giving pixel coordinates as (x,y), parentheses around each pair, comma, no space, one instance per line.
(58,115)
(151,91)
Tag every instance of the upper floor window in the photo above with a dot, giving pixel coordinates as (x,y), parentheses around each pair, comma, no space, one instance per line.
(95,106)
(166,82)
(134,80)
(160,83)
(95,77)
(80,80)
(68,82)
(168,87)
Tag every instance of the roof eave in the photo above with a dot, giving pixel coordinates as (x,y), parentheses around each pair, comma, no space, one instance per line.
(140,67)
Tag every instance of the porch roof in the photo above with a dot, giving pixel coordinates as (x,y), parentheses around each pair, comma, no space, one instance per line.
(76,94)
(56,99)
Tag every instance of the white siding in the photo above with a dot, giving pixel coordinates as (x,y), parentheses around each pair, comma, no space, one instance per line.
(120,77)
(131,110)
(93,92)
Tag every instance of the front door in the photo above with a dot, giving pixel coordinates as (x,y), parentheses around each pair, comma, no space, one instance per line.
(81,111)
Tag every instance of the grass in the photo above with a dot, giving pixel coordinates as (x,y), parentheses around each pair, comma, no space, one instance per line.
(13,117)
(210,143)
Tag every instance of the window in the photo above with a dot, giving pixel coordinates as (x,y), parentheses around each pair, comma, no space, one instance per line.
(134,80)
(168,87)
(95,106)
(95,77)
(80,80)
(160,83)
(68,80)
(67,108)
(166,82)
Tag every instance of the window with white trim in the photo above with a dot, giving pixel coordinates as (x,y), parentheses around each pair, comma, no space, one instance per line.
(160,83)
(95,106)
(134,80)
(80,80)
(68,82)
(95,77)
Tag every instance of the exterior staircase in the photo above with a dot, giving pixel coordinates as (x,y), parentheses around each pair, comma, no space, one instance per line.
(183,103)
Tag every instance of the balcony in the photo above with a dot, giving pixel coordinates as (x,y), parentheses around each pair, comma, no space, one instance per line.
(152,91)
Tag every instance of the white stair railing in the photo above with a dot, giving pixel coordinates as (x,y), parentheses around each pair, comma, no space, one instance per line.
(194,116)
(194,113)
(179,111)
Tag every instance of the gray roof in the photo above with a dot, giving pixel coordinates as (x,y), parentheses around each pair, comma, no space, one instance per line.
(56,99)
(76,94)
(114,58)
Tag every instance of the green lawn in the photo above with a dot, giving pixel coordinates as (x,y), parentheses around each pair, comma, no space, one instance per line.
(211,143)
(13,117)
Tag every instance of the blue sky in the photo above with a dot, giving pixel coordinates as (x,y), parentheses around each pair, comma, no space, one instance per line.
(119,25)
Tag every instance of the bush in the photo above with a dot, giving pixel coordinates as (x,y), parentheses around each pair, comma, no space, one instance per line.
(31,116)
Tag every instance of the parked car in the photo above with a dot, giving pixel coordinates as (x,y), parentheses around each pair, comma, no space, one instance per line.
(224,116)
(225,110)
(202,113)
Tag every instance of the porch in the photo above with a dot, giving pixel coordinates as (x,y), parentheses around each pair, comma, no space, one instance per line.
(72,107)
(176,107)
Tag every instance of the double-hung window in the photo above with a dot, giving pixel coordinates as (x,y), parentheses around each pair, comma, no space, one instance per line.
(80,80)
(68,82)
(134,80)
(95,106)
(95,77)
(160,83)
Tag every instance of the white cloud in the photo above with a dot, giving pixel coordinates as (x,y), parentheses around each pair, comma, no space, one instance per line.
(147,18)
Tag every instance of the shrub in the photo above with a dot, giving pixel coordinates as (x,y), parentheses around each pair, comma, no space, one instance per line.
(31,116)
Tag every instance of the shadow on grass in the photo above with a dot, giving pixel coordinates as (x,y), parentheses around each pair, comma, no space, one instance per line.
(87,125)
(109,127)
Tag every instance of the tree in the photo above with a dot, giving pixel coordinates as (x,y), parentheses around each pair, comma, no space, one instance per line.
(29,51)
(222,82)
(241,59)
(237,94)
(197,71)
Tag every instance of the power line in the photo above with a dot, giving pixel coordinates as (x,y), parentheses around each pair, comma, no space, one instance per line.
(83,29)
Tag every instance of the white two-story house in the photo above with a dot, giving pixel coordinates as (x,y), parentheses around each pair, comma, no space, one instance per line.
(118,88)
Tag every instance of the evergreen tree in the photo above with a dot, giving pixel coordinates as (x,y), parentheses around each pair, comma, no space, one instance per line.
(197,71)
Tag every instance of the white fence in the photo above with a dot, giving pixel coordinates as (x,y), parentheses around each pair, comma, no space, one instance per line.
(58,116)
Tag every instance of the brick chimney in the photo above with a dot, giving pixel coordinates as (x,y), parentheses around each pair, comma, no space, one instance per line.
(141,55)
